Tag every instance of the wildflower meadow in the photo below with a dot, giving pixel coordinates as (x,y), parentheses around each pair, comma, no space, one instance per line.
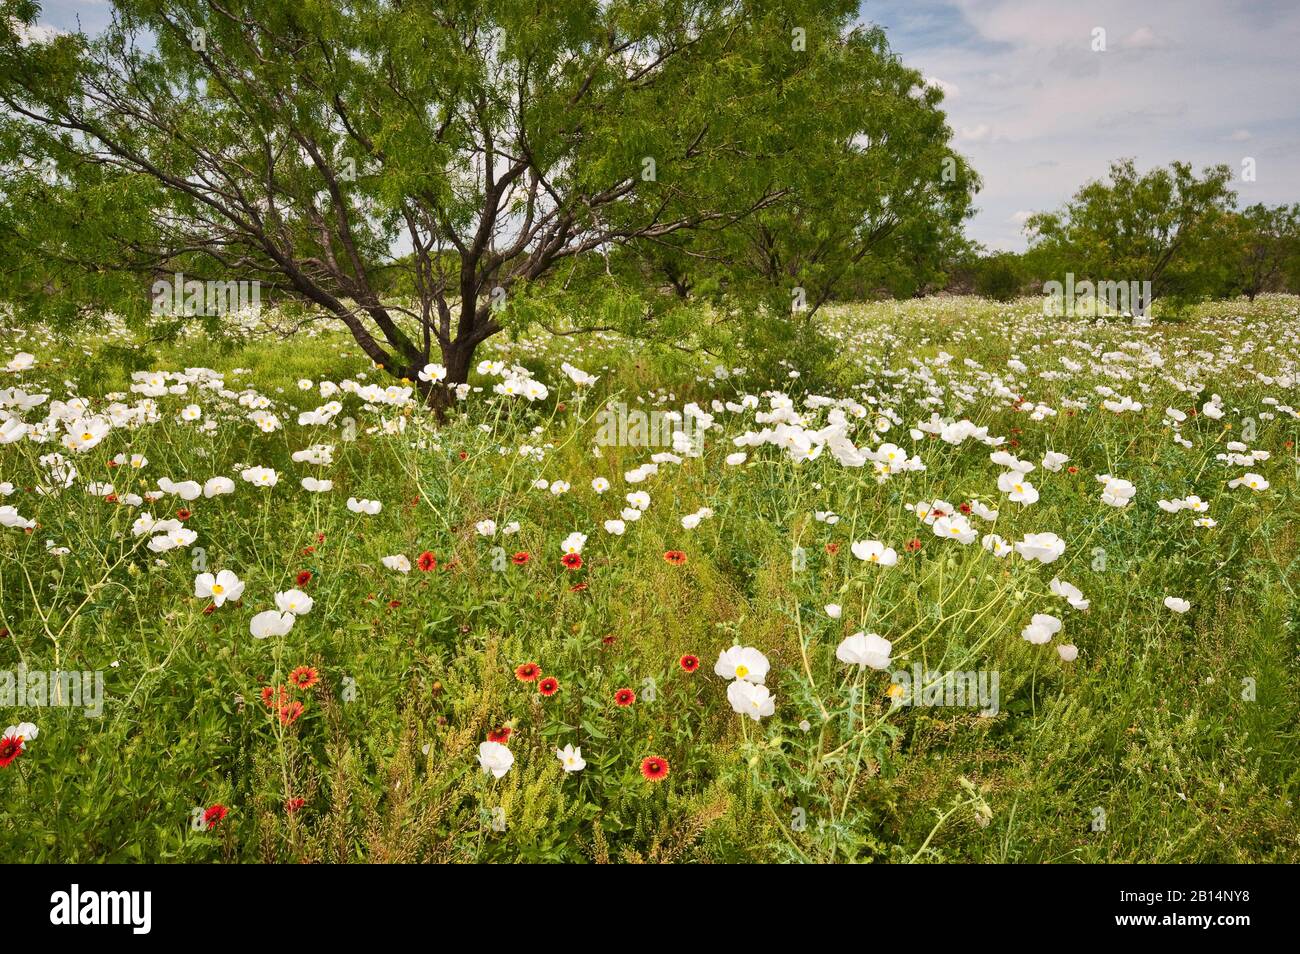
(986,586)
(647,432)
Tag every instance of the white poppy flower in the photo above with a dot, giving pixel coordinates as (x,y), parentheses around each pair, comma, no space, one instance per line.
(397,562)
(571,758)
(495,758)
(219,588)
(751,700)
(271,623)
(742,662)
(873,551)
(294,601)
(864,649)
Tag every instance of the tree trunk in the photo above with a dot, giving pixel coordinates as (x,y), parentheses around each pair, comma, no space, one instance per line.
(457,358)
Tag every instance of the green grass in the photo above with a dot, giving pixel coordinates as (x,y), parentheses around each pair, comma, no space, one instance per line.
(1181,729)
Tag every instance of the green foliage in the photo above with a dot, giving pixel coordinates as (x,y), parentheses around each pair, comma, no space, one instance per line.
(356,157)
(1140,227)
(1259,250)
(998,277)
(1149,724)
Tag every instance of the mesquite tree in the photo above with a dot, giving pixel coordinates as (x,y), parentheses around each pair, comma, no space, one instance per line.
(476,147)
(1158,226)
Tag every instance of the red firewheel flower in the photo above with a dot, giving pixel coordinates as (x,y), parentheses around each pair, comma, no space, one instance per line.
(528,672)
(500,734)
(274,696)
(304,677)
(213,816)
(654,768)
(303,578)
(520,558)
(624,697)
(675,557)
(289,713)
(427,561)
(572,561)
(689,663)
(913,545)
(549,686)
(11,746)
(291,805)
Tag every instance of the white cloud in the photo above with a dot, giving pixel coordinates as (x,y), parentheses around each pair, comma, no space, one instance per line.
(37,33)
(949,90)
(1040,113)
(1143,38)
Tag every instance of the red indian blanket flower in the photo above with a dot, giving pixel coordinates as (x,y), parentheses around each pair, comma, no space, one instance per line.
(289,713)
(689,663)
(654,768)
(274,696)
(624,697)
(549,686)
(499,734)
(520,558)
(304,677)
(528,672)
(11,746)
(675,557)
(427,561)
(572,560)
(214,815)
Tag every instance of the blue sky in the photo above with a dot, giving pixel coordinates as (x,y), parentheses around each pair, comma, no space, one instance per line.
(1039,112)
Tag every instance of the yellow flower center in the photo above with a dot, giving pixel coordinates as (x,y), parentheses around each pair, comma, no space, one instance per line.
(218,589)
(742,672)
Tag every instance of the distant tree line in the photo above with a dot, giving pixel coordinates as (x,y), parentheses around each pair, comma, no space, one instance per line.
(1179,231)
